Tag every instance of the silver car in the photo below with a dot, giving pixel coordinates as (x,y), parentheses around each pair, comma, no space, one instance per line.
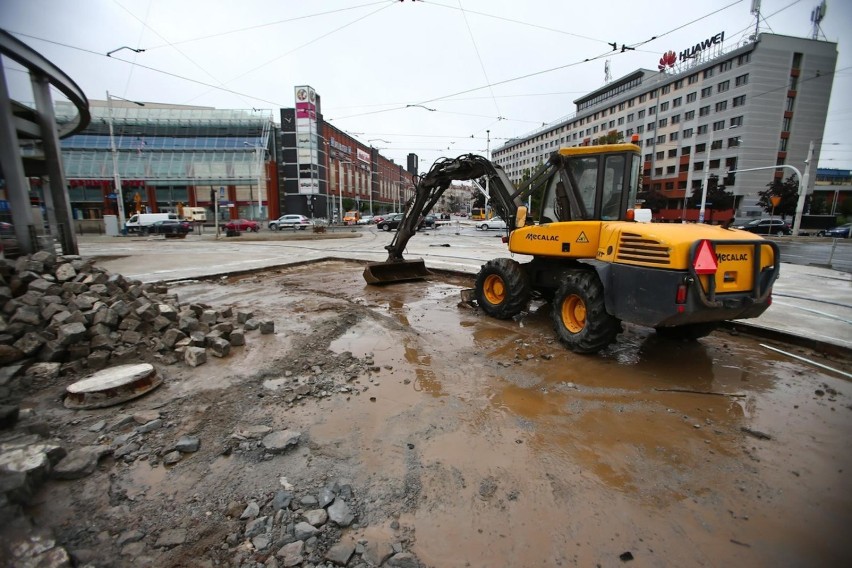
(492,223)
(290,222)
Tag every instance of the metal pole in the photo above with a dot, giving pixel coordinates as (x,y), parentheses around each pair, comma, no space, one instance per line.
(371,190)
(340,191)
(56,196)
(116,178)
(259,172)
(704,182)
(803,190)
(216,212)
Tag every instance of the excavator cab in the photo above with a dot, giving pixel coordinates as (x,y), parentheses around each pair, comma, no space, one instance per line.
(591,186)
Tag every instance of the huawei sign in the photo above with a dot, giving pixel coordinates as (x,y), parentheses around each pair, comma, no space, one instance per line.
(667,61)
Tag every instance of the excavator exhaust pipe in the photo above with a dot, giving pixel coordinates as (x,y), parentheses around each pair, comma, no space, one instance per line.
(394,271)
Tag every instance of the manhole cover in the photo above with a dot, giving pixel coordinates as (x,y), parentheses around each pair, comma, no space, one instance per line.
(113,386)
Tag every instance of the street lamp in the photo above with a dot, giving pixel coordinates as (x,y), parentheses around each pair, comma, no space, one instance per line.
(116,177)
(706,175)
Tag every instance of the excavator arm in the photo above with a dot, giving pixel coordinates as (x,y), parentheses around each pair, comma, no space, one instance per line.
(428,190)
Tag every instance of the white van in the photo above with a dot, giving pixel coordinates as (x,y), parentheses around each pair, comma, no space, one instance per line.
(139,220)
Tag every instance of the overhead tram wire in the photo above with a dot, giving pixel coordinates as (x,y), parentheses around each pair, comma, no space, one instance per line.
(274,59)
(545,28)
(141,32)
(608,53)
(149,68)
(188,58)
(268,24)
(479,57)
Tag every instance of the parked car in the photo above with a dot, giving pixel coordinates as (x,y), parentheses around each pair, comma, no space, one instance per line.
(390,222)
(429,221)
(365,220)
(492,223)
(838,232)
(767,227)
(242,225)
(168,227)
(290,222)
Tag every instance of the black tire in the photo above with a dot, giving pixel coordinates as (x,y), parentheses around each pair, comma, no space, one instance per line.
(781,232)
(484,227)
(385,227)
(502,288)
(579,313)
(690,331)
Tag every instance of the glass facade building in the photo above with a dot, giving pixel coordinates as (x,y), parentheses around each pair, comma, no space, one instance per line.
(169,155)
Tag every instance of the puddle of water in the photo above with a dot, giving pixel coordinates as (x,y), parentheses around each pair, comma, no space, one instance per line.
(141,478)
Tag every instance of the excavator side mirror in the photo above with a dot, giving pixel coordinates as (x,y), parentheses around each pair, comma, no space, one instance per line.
(521,217)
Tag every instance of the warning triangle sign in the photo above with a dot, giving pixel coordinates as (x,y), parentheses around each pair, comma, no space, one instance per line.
(705,259)
(582,238)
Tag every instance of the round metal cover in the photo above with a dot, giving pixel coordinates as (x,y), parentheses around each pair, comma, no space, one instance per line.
(112,386)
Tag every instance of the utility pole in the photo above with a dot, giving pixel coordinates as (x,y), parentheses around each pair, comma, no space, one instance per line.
(803,191)
(487,155)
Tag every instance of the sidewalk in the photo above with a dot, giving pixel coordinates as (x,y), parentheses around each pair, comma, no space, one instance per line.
(812,306)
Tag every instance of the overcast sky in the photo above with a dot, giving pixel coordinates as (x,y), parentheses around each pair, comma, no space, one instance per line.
(504,66)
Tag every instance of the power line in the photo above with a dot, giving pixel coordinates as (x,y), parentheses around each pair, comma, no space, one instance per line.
(268,24)
(479,57)
(563,32)
(274,59)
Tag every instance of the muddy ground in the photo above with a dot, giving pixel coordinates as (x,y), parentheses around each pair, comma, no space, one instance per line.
(474,442)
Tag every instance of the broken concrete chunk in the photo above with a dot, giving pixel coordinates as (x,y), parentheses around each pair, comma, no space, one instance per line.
(80,462)
(195,356)
(219,346)
(278,442)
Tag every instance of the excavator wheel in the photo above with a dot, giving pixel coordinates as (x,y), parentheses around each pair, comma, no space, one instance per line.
(579,314)
(502,288)
(691,331)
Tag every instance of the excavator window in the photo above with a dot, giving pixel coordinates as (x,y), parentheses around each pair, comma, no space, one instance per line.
(582,176)
(611,197)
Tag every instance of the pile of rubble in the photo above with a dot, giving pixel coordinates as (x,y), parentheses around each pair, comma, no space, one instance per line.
(63,309)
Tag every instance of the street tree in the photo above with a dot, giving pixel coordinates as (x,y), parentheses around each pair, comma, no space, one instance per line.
(653,200)
(611,137)
(718,197)
(787,191)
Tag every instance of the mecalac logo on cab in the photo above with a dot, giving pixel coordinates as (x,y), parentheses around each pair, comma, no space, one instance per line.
(722,257)
(535,237)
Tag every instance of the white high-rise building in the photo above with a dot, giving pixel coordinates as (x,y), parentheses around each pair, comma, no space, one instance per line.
(709,106)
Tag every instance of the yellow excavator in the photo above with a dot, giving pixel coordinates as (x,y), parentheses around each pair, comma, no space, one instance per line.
(595,256)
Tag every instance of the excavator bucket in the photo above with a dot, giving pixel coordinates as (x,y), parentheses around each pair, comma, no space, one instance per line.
(394,271)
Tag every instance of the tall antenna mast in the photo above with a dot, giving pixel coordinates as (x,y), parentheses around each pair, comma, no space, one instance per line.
(755,10)
(817,14)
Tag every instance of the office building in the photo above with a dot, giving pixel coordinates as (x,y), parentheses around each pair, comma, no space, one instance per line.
(712,108)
